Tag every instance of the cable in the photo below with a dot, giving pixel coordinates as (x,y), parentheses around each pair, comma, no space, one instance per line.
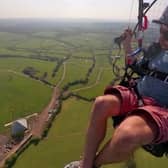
(130,14)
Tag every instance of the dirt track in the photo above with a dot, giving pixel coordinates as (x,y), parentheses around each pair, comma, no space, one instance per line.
(39,123)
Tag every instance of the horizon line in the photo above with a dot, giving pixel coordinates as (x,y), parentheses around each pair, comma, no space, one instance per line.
(66,18)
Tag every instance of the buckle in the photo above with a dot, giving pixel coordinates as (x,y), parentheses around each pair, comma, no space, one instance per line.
(152,73)
(166,80)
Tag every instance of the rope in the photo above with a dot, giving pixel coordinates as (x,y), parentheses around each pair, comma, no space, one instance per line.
(116,69)
(130,14)
(152,34)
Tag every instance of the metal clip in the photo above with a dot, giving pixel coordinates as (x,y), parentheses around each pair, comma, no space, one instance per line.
(166,80)
(151,73)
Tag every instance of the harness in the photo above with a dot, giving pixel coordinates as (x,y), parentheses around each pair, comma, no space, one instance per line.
(159,75)
(128,81)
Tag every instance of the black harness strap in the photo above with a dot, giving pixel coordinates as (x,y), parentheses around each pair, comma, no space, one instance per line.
(159,75)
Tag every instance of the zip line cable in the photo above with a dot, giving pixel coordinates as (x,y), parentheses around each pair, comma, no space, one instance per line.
(130,14)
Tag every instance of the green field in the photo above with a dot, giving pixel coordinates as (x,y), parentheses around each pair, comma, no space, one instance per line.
(20,96)
(18,64)
(75,71)
(105,79)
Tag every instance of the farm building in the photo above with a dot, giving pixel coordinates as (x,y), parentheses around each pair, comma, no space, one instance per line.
(19,127)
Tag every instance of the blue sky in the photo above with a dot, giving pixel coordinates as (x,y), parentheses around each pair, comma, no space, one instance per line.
(98,9)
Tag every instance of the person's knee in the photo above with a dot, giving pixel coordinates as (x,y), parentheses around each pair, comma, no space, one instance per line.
(107,105)
(125,136)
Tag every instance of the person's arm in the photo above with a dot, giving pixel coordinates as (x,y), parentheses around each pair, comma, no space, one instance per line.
(127,46)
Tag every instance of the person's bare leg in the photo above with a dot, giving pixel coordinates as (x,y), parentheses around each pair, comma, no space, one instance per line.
(133,132)
(103,108)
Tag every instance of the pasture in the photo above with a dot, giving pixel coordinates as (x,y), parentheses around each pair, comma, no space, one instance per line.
(20,96)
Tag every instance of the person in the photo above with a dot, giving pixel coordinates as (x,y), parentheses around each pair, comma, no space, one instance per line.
(145,124)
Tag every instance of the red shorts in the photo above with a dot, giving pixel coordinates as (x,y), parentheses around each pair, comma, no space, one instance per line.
(130,105)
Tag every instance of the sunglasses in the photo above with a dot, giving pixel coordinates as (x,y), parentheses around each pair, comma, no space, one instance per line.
(164,33)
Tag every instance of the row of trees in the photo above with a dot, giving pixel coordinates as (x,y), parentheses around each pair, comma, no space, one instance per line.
(78,97)
(38,57)
(59,63)
(31,72)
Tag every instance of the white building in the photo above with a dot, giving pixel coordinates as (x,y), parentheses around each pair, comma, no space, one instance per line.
(19,127)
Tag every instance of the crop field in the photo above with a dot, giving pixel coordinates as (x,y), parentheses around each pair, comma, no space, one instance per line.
(19,64)
(75,71)
(105,78)
(92,80)
(77,58)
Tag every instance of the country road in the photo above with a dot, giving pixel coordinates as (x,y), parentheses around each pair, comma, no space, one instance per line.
(39,124)
(63,75)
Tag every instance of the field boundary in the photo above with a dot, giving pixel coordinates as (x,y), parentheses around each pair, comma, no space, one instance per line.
(96,82)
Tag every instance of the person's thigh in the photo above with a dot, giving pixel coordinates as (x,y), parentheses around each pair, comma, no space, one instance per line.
(156,115)
(129,99)
(139,128)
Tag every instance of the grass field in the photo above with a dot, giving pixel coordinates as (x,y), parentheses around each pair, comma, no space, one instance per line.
(19,64)
(75,71)
(20,96)
(92,80)
(105,79)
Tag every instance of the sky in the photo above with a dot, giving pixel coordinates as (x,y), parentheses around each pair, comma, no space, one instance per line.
(96,9)
(90,9)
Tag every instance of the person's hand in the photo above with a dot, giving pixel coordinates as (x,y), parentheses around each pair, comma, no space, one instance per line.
(127,36)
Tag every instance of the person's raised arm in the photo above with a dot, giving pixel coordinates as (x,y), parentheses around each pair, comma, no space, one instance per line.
(127,46)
